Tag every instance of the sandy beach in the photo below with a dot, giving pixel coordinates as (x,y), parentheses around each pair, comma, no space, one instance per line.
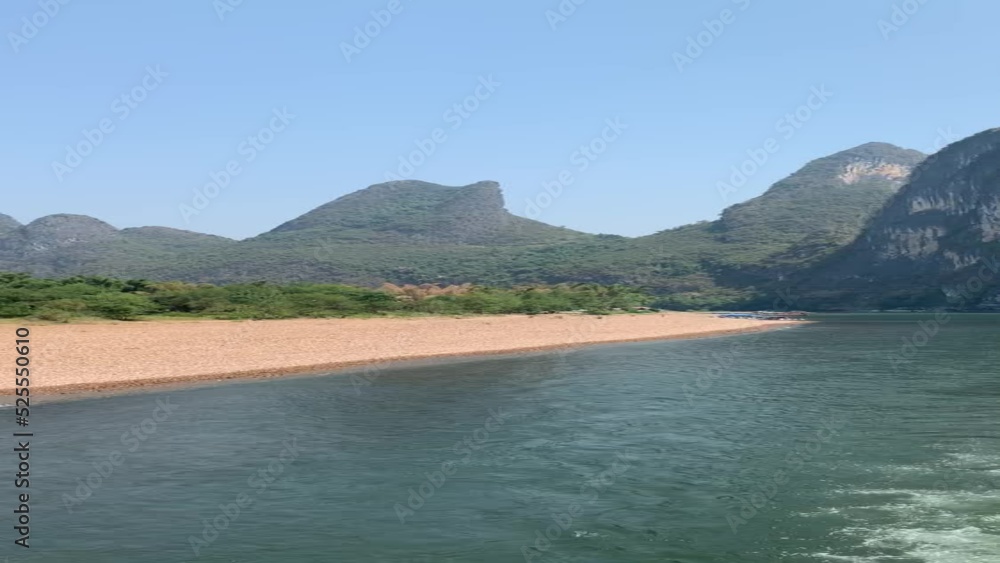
(77,358)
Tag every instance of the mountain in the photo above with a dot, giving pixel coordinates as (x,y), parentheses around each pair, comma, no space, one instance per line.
(828,199)
(65,244)
(58,231)
(935,243)
(411,212)
(799,221)
(411,232)
(406,232)
(7,223)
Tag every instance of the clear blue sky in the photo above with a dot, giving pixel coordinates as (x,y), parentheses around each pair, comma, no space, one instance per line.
(559,82)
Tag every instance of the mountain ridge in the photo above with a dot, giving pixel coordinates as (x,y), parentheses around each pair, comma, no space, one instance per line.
(416,232)
(297,223)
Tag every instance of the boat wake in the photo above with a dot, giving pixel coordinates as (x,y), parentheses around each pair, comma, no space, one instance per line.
(954,520)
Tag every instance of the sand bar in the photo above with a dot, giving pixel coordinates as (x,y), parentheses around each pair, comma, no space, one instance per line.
(83,358)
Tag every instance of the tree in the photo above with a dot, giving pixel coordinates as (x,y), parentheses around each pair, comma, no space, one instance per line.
(120,306)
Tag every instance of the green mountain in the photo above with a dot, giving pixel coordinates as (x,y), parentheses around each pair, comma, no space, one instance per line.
(413,212)
(59,245)
(417,232)
(936,243)
(800,219)
(798,222)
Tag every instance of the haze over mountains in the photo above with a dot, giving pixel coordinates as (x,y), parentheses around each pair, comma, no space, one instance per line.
(872,226)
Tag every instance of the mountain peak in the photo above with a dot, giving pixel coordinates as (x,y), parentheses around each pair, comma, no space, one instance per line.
(879,148)
(828,198)
(53,231)
(878,151)
(871,165)
(8,223)
(417,211)
(959,154)
(420,184)
(882,161)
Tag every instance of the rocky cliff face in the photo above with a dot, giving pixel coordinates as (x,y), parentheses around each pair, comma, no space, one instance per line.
(936,234)
(857,171)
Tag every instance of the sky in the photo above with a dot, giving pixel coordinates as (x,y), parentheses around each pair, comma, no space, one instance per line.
(232,116)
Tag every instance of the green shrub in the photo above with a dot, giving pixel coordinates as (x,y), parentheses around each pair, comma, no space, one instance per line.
(120,306)
(59,300)
(53,315)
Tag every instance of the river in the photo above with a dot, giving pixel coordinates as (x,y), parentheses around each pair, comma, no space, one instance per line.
(861,438)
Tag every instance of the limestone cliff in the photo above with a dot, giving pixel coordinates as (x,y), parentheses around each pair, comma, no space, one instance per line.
(938,234)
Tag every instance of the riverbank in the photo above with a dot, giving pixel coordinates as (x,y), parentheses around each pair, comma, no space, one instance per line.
(85,358)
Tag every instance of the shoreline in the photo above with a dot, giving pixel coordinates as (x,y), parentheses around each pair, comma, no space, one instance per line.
(244,353)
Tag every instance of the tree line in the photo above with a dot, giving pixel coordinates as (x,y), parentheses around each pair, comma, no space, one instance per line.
(65,299)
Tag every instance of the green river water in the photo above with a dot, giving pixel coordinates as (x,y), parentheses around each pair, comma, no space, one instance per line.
(860,438)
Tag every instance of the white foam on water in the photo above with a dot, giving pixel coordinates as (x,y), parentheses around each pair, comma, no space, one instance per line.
(933,526)
(961,545)
(823,511)
(857,559)
(969,544)
(909,469)
(973,460)
(957,500)
(943,510)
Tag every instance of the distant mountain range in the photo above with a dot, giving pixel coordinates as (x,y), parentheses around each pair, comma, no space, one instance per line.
(873,226)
